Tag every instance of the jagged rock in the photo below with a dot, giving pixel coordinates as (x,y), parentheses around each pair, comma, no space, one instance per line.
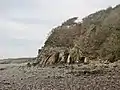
(52,55)
(86,60)
(53,59)
(61,57)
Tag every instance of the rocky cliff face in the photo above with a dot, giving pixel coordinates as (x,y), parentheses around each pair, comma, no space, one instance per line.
(97,37)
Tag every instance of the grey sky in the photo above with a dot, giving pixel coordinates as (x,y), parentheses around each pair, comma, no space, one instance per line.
(24,24)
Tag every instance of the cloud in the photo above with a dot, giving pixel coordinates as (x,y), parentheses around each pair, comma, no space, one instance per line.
(24,24)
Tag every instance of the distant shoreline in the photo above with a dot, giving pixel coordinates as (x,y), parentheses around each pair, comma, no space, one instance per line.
(18,58)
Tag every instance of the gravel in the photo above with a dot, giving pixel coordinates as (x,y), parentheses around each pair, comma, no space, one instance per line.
(57,78)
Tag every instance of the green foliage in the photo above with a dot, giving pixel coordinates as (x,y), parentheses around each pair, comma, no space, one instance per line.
(63,36)
(103,38)
(70,21)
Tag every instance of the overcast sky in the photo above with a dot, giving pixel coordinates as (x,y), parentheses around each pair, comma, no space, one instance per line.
(24,24)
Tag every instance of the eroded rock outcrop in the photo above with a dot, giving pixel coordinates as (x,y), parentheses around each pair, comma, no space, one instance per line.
(61,55)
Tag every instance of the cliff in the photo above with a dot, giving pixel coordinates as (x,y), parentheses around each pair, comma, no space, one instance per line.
(95,38)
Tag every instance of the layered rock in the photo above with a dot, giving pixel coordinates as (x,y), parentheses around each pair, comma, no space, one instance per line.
(61,55)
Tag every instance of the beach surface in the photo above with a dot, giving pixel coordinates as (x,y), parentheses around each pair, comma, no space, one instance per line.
(17,76)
